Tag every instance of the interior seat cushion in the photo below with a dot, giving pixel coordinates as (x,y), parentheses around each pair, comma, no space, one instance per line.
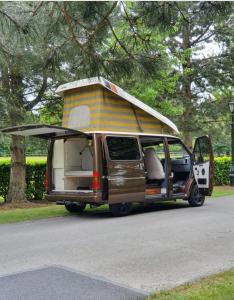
(87,159)
(153,165)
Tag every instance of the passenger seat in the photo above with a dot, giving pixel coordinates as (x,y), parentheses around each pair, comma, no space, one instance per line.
(153,165)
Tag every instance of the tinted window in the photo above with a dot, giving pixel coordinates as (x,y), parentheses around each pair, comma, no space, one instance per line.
(123,148)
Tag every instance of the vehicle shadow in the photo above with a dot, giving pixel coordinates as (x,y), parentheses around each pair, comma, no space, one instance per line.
(103,212)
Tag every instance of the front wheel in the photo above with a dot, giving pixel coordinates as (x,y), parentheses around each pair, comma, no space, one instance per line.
(196,198)
(120,209)
(74,207)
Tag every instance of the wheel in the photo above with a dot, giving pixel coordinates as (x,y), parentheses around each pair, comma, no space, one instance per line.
(196,198)
(74,207)
(120,209)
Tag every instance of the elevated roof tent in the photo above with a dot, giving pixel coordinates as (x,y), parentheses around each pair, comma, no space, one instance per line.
(97,105)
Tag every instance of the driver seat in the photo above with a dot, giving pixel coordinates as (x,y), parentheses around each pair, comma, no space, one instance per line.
(153,165)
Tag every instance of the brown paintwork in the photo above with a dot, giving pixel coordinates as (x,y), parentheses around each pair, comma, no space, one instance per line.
(76,197)
(126,179)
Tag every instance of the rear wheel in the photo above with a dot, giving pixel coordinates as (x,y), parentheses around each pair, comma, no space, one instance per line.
(74,207)
(120,209)
(196,198)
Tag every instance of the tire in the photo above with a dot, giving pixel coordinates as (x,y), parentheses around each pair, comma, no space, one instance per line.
(196,199)
(120,209)
(74,207)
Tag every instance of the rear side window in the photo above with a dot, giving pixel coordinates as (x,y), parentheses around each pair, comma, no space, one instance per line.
(123,148)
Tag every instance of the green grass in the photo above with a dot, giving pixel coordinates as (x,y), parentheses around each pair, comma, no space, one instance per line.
(51,211)
(220,191)
(216,287)
(27,214)
(29,159)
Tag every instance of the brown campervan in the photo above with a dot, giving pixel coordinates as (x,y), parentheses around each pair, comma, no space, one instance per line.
(120,168)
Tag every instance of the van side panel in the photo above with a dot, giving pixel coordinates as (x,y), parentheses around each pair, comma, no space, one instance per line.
(126,178)
(126,182)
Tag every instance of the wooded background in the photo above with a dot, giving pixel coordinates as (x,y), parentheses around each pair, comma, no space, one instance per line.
(175,56)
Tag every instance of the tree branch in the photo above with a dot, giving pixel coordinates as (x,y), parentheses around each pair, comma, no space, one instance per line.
(198,39)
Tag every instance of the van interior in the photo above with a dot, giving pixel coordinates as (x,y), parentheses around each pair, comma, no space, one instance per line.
(156,163)
(72,164)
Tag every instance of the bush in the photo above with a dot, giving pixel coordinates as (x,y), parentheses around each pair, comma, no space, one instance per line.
(36,167)
(222,170)
(35,175)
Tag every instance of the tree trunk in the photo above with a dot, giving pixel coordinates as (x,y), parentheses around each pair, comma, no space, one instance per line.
(188,139)
(17,184)
(16,115)
(187,81)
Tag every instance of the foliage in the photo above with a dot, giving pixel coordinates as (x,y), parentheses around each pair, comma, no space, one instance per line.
(35,175)
(222,170)
(198,37)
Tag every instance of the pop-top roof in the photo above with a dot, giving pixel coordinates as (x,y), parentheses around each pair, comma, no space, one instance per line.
(118,91)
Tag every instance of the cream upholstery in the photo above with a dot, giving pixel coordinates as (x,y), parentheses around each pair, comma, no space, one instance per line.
(153,165)
(86,159)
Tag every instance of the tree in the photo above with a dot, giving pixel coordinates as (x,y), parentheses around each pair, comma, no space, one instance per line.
(190,27)
(28,55)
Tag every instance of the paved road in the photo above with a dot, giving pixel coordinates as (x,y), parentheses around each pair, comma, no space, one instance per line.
(155,247)
(56,283)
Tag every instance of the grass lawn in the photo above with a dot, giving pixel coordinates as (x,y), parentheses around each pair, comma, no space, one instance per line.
(26,214)
(11,214)
(224,190)
(36,213)
(215,287)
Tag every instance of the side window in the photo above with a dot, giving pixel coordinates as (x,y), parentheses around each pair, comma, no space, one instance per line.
(123,148)
(177,151)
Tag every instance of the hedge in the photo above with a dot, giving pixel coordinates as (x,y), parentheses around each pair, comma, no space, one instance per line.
(35,174)
(222,170)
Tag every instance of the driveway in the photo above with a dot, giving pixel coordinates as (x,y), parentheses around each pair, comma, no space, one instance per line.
(156,247)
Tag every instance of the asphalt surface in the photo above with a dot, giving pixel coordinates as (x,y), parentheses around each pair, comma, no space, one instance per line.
(156,247)
(56,283)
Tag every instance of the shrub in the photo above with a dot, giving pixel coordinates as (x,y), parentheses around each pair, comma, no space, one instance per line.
(35,174)
(36,166)
(222,170)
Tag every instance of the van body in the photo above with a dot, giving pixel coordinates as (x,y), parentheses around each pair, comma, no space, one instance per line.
(119,168)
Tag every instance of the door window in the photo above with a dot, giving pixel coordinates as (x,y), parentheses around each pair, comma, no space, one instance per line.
(123,148)
(202,150)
